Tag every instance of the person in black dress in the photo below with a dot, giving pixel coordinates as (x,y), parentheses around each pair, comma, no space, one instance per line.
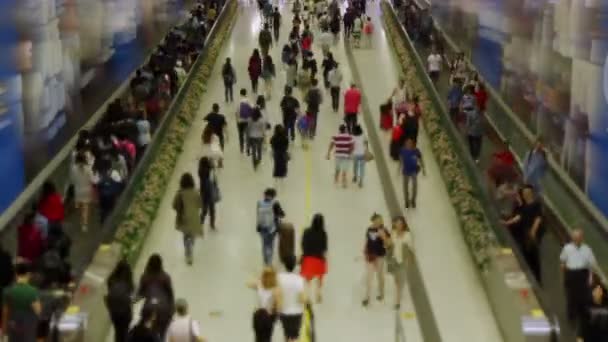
(280,145)
(119,299)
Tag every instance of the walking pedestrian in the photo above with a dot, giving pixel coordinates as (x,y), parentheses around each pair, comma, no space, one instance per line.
(269,213)
(313,100)
(82,178)
(291,301)
(209,190)
(229,76)
(360,154)
(374,249)
(356,30)
(327,65)
(119,299)
(268,293)
(577,262)
(254,68)
(434,61)
(291,72)
(352,102)
(398,245)
(290,107)
(212,147)
(276,23)
(280,153)
(268,73)
(265,40)
(243,115)
(314,254)
(217,123)
(187,206)
(342,144)
(184,328)
(368,31)
(334,77)
(144,330)
(399,98)
(156,288)
(256,133)
(411,165)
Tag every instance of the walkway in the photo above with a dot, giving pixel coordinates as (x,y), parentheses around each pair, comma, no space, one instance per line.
(225,260)
(455,291)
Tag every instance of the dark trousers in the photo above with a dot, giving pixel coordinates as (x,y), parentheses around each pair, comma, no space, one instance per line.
(313,123)
(228,92)
(350,119)
(208,207)
(475,146)
(276,31)
(335,98)
(256,150)
(121,324)
(532,256)
(576,283)
(254,84)
(242,128)
(106,204)
(290,127)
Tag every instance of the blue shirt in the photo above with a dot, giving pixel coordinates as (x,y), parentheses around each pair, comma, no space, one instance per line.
(455,96)
(409,161)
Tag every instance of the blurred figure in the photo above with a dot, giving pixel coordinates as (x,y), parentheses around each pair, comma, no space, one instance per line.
(184,328)
(120,298)
(594,321)
(21,307)
(156,288)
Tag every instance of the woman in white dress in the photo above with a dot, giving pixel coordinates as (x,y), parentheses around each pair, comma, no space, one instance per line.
(398,245)
(212,148)
(82,178)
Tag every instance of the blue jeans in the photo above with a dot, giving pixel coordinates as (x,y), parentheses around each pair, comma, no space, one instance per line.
(359,169)
(267,245)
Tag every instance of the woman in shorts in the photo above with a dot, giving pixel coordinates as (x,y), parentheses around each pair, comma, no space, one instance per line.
(314,253)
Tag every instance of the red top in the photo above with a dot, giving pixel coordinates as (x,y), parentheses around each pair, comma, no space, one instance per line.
(51,207)
(30,243)
(352,101)
(397,133)
(505,157)
(306,43)
(482,99)
(255,67)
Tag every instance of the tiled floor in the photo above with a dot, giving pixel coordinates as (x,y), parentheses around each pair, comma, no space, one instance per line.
(225,260)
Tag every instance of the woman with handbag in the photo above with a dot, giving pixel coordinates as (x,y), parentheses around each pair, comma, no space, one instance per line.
(210,192)
(375,251)
(398,245)
(187,205)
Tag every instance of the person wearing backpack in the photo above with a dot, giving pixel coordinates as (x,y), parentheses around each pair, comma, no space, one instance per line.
(265,40)
(313,99)
(269,212)
(244,112)
(229,76)
(119,299)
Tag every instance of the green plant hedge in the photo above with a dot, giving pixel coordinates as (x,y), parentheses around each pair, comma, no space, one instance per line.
(140,214)
(475,227)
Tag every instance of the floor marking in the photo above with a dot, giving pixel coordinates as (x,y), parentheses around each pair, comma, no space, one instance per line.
(408,315)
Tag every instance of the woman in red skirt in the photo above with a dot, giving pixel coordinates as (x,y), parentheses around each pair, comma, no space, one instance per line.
(314,250)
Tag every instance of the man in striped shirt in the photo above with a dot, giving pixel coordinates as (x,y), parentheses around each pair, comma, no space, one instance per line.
(342,145)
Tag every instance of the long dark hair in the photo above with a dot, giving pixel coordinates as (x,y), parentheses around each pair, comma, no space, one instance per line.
(122,273)
(261,102)
(318,223)
(154,265)
(256,115)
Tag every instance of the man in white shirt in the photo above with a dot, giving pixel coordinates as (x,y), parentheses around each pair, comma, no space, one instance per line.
(335,81)
(577,261)
(291,300)
(434,65)
(183,328)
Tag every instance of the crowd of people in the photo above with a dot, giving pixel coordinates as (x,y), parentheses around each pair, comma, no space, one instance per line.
(517,193)
(36,286)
